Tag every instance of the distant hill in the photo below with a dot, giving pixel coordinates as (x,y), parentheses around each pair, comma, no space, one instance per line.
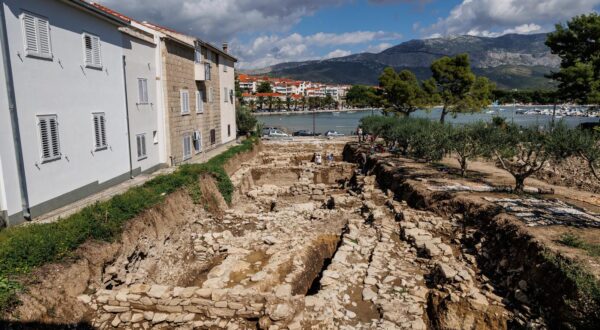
(511,61)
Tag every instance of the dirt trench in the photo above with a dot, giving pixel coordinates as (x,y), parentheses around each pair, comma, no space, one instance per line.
(302,246)
(518,259)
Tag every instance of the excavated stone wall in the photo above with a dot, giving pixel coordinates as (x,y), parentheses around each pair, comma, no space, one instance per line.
(513,260)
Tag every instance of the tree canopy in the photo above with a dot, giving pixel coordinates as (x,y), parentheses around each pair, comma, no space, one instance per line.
(264,87)
(402,92)
(578,46)
(361,96)
(457,88)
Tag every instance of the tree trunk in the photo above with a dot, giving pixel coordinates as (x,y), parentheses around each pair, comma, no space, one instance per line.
(463,166)
(443,117)
(519,184)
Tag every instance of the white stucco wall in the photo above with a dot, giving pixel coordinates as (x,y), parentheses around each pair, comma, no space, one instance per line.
(63,86)
(227,79)
(143,118)
(10,197)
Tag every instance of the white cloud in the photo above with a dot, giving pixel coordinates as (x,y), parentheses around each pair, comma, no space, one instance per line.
(497,17)
(337,53)
(378,48)
(268,50)
(221,20)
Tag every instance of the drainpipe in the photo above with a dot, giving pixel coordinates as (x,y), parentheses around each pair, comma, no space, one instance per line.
(127,117)
(14,117)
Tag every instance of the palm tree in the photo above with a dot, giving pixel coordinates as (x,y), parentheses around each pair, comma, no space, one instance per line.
(278,103)
(261,102)
(303,102)
(288,102)
(252,105)
(270,103)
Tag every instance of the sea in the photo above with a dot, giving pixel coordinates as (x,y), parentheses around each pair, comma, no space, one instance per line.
(346,122)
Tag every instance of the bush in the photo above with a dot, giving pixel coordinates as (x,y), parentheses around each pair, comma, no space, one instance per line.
(23,248)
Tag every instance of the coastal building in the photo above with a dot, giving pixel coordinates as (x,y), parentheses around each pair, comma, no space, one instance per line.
(64,134)
(227,82)
(193,95)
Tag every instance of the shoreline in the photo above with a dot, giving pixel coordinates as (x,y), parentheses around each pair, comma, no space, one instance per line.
(306,112)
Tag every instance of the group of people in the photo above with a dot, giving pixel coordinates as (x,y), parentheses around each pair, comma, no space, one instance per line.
(318,159)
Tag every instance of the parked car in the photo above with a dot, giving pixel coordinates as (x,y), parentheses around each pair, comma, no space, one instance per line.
(277,133)
(303,132)
(333,133)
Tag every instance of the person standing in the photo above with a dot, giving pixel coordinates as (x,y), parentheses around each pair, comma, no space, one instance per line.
(360,134)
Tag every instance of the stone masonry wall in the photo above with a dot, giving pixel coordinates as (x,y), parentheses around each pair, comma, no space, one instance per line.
(179,74)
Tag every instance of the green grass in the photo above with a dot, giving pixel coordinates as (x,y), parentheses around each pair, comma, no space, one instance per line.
(23,248)
(575,241)
(586,282)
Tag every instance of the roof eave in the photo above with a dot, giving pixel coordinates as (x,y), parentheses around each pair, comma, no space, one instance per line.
(95,11)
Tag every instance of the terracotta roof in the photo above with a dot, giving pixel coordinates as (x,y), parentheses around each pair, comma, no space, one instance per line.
(111,12)
(269,94)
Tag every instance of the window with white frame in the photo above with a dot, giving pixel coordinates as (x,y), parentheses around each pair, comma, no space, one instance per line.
(49,140)
(187,146)
(141,146)
(36,35)
(91,51)
(199,102)
(155,137)
(225,94)
(142,91)
(206,71)
(224,66)
(213,136)
(100,131)
(184,96)
(197,141)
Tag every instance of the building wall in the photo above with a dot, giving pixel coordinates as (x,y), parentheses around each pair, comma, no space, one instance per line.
(65,87)
(227,80)
(143,118)
(178,74)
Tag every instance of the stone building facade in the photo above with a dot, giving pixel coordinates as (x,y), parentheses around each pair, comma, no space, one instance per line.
(192,101)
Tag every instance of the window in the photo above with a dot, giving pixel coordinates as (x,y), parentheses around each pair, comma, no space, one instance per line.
(213,136)
(100,131)
(49,141)
(91,48)
(36,36)
(197,141)
(187,146)
(198,55)
(142,91)
(185,101)
(199,102)
(155,137)
(210,94)
(228,130)
(225,94)
(224,66)
(206,71)
(141,146)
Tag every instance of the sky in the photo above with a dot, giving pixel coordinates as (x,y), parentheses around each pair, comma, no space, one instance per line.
(261,33)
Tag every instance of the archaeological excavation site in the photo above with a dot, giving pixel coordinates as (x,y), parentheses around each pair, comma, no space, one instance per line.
(362,242)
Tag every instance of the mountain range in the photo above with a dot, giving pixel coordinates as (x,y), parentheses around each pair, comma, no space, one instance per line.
(511,61)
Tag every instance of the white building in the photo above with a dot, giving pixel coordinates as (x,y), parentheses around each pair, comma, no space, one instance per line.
(227,82)
(143,109)
(65,134)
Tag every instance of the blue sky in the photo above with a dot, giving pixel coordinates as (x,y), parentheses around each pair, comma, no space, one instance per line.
(266,32)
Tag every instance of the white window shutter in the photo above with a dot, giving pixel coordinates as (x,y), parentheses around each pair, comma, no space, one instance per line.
(96,51)
(144,144)
(30,32)
(103,130)
(87,44)
(43,29)
(139,146)
(97,132)
(53,124)
(45,139)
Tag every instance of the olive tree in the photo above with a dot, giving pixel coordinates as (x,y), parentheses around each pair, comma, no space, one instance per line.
(523,151)
(466,142)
